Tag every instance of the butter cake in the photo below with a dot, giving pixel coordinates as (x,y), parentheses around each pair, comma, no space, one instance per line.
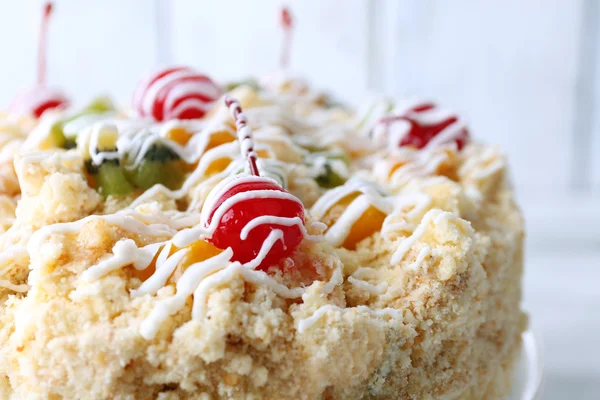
(267,244)
(256,240)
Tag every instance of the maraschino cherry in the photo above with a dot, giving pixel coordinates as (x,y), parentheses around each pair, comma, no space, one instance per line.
(426,122)
(175,93)
(41,98)
(253,211)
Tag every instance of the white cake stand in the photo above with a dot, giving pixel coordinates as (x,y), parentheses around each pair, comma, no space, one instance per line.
(528,375)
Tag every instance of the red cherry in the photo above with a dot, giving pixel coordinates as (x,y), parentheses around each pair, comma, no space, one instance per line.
(419,135)
(38,100)
(175,93)
(229,228)
(47,106)
(422,107)
(423,128)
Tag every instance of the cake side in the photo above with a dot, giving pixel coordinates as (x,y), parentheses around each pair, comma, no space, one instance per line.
(416,298)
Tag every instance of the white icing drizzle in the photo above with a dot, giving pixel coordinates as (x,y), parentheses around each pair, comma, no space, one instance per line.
(276,115)
(227,150)
(407,207)
(407,243)
(199,278)
(390,131)
(153,215)
(423,253)
(369,196)
(435,216)
(136,137)
(318,162)
(194,151)
(227,184)
(65,158)
(480,165)
(123,221)
(272,135)
(370,112)
(448,135)
(357,279)
(180,84)
(284,88)
(414,164)
(270,220)
(15,288)
(134,142)
(186,285)
(124,252)
(81,123)
(304,324)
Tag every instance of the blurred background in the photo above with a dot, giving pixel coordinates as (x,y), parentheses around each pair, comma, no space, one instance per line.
(525,74)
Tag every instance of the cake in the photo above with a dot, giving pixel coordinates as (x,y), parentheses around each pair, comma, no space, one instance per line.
(257,240)
(254,240)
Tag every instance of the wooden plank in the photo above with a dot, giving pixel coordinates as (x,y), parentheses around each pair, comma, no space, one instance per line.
(585,101)
(593,56)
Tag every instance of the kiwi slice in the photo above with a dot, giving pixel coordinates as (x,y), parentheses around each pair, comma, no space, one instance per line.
(328,178)
(251,82)
(97,106)
(160,165)
(56,138)
(150,173)
(109,178)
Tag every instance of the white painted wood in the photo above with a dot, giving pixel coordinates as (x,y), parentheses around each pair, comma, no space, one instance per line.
(594,87)
(95,47)
(510,67)
(234,39)
(562,298)
(595,151)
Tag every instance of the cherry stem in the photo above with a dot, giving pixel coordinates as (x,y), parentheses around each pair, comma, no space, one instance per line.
(43,43)
(245,136)
(286,25)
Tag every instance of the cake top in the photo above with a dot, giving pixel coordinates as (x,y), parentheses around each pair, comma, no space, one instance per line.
(186,174)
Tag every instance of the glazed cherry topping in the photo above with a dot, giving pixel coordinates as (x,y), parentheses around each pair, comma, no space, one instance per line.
(229,229)
(253,208)
(40,99)
(175,93)
(48,105)
(426,122)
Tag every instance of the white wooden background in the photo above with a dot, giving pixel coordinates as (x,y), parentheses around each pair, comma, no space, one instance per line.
(524,72)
